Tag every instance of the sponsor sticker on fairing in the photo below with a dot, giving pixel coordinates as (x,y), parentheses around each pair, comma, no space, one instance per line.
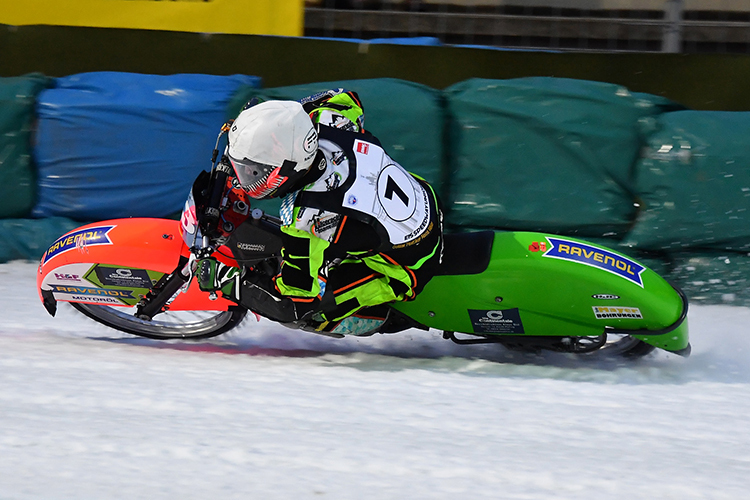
(68,274)
(538,246)
(79,239)
(496,321)
(589,255)
(121,276)
(604,312)
(92,292)
(98,300)
(251,247)
(67,277)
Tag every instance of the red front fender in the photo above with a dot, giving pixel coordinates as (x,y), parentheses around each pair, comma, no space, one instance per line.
(115,262)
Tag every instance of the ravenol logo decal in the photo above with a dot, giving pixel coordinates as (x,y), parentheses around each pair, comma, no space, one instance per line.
(79,239)
(595,257)
(93,292)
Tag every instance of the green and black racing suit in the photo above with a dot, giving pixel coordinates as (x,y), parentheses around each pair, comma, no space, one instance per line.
(359,233)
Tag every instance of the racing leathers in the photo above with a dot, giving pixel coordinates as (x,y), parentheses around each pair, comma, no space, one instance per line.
(359,232)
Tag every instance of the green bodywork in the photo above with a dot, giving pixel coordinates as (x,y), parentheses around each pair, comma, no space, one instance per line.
(539,284)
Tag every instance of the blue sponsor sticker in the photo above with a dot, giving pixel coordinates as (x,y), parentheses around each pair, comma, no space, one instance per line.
(79,239)
(582,253)
(93,292)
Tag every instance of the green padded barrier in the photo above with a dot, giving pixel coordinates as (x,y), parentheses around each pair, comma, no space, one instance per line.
(28,239)
(694,182)
(17,176)
(406,117)
(712,277)
(548,154)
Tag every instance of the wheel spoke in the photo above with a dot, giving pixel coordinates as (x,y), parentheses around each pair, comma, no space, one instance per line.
(167,325)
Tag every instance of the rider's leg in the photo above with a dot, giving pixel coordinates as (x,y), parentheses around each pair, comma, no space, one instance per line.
(353,299)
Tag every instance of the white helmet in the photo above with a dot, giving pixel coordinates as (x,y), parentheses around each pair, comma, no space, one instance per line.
(271,146)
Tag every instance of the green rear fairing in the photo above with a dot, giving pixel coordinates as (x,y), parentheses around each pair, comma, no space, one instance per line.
(540,285)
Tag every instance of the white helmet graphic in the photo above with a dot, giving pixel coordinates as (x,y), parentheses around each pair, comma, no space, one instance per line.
(271,146)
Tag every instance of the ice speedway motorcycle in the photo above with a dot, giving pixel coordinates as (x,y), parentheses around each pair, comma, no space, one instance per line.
(526,291)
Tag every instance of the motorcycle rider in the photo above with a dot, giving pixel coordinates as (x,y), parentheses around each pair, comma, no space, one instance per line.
(358,230)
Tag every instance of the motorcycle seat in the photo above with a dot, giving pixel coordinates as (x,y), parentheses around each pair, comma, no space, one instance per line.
(466,253)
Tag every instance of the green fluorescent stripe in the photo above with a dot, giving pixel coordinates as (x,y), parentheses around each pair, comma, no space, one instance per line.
(287,263)
(423,259)
(301,257)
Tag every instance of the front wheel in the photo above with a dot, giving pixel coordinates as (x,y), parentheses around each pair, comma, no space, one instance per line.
(168,325)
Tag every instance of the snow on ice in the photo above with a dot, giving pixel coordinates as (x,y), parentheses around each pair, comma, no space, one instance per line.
(270,413)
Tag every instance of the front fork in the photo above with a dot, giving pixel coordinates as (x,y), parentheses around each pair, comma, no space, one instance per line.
(164,292)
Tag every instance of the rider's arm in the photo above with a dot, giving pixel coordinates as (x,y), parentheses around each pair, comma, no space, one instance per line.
(295,292)
(302,258)
(312,241)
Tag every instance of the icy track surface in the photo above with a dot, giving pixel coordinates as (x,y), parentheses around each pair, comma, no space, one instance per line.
(270,413)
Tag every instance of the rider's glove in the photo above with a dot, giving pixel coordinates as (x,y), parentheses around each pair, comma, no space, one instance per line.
(213,276)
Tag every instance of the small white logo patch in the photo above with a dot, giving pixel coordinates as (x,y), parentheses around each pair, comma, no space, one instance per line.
(311,141)
(606,296)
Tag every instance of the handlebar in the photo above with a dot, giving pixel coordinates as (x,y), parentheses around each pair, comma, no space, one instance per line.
(216,187)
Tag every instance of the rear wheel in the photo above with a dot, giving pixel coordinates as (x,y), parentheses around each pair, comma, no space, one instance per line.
(167,325)
(617,345)
(604,346)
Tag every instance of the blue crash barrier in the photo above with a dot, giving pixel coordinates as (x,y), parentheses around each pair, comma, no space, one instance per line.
(113,144)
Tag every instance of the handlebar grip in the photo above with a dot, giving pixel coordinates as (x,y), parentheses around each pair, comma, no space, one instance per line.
(212,213)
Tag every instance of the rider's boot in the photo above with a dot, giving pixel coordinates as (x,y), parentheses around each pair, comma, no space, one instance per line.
(215,276)
(366,321)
